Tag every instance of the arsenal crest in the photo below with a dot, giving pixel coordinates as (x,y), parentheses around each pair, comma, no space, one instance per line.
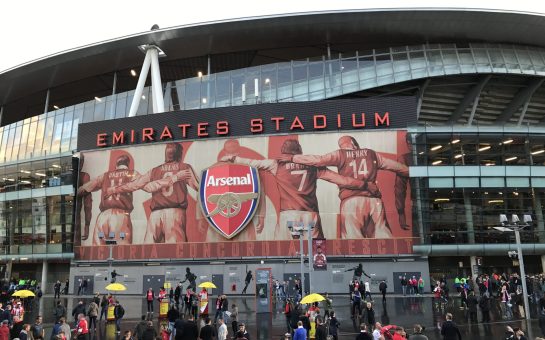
(229,194)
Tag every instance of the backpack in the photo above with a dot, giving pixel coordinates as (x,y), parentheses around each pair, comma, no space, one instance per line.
(120,311)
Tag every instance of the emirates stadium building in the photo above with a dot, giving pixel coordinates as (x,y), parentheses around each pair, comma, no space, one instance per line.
(411,141)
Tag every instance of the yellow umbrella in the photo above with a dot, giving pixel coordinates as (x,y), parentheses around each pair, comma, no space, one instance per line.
(23,293)
(311,298)
(207,284)
(116,287)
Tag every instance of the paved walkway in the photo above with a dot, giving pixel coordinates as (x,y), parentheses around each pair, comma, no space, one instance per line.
(398,310)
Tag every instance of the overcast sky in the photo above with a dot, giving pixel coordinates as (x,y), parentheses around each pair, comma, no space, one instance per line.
(35,29)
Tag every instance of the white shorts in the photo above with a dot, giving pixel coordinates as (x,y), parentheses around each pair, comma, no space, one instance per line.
(294,217)
(166,226)
(364,217)
(113,220)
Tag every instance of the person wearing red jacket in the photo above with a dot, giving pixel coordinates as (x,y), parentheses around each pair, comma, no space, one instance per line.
(4,330)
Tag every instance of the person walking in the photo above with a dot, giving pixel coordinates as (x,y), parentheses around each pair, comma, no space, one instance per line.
(92,312)
(37,330)
(321,330)
(82,328)
(140,327)
(234,318)
(208,332)
(484,304)
(57,290)
(65,328)
(449,330)
(417,335)
(222,330)
(472,304)
(420,286)
(60,311)
(119,312)
(404,285)
(77,310)
(104,307)
(300,333)
(150,296)
(364,334)
(149,333)
(382,288)
(368,315)
(334,326)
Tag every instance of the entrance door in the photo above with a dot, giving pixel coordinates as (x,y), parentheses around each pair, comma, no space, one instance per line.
(290,278)
(154,282)
(397,280)
(89,290)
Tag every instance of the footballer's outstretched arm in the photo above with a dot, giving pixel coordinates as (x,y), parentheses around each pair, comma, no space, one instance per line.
(393,166)
(138,183)
(270,165)
(92,185)
(329,159)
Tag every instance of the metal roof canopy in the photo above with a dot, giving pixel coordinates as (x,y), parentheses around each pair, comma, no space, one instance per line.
(372,28)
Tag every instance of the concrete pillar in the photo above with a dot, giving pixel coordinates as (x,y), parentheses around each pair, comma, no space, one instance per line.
(469,218)
(473,264)
(9,265)
(43,284)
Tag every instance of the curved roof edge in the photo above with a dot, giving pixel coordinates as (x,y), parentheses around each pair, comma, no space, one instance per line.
(276,31)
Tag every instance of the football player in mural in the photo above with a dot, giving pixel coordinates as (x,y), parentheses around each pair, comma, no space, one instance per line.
(401,184)
(362,211)
(167,184)
(85,201)
(115,210)
(297,187)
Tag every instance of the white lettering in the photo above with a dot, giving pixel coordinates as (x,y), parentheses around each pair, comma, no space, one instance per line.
(225,181)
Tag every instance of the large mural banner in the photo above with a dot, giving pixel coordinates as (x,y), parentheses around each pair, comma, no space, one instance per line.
(247,197)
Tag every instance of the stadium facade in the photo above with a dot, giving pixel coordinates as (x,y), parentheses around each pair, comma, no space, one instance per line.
(398,136)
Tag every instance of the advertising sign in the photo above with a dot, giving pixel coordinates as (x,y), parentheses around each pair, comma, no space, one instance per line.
(263,291)
(319,250)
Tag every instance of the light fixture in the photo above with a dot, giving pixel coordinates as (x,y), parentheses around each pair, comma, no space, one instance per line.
(484,148)
(515,193)
(508,141)
(40,174)
(24,258)
(55,107)
(25,171)
(204,100)
(25,182)
(489,164)
(455,141)
(267,81)
(537,152)
(511,159)
(442,200)
(437,162)
(98,99)
(56,166)
(199,74)
(437,147)
(143,97)
(133,73)
(459,156)
(495,201)
(421,153)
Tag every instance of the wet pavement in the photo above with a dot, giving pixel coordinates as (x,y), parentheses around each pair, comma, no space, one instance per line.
(398,310)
